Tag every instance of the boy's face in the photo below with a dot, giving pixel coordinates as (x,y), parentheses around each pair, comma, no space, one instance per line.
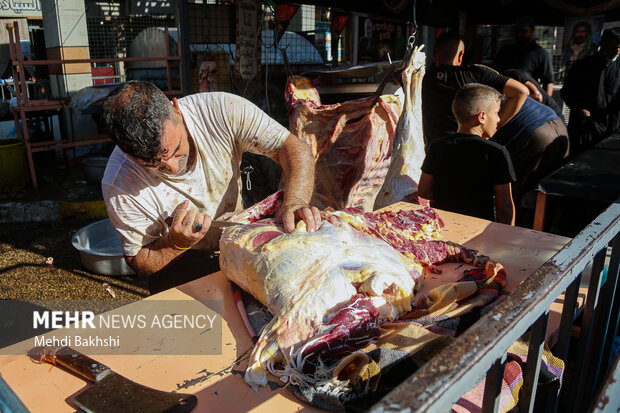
(490,121)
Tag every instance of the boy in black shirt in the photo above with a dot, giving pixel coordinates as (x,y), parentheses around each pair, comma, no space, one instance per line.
(465,172)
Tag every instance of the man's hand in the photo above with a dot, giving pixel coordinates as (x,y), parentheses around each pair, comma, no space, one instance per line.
(292,213)
(585,113)
(187,227)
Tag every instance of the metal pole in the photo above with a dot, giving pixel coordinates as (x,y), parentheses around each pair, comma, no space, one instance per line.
(185,69)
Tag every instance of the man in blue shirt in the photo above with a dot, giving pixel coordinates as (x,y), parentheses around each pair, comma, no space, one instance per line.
(537,141)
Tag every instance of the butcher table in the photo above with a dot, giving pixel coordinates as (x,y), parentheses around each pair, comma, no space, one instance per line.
(217,380)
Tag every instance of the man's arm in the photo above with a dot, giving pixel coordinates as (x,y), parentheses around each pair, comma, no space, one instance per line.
(516,93)
(297,164)
(181,237)
(534,92)
(425,187)
(549,88)
(504,206)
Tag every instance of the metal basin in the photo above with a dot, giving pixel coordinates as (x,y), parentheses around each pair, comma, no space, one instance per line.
(100,249)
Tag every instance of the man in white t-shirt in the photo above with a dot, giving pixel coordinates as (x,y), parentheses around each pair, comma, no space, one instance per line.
(181,160)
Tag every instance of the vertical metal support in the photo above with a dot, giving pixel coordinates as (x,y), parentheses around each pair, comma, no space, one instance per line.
(615,308)
(576,389)
(603,321)
(539,214)
(26,137)
(22,69)
(493,386)
(185,67)
(566,328)
(568,317)
(168,70)
(532,367)
(18,92)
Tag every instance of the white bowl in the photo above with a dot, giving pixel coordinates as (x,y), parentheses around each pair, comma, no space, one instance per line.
(100,249)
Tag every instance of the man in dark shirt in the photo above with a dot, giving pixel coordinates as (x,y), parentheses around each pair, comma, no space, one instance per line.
(592,92)
(527,55)
(441,82)
(465,172)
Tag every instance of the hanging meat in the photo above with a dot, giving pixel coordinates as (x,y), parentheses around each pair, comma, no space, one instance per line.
(408,153)
(329,290)
(351,143)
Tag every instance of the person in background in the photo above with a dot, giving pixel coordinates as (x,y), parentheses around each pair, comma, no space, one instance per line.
(180,161)
(579,46)
(527,55)
(400,42)
(592,92)
(537,141)
(536,91)
(448,75)
(367,47)
(465,172)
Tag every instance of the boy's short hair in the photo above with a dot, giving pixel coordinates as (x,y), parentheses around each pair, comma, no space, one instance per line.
(472,99)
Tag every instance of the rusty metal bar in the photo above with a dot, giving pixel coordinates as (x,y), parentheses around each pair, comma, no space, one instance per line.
(566,328)
(168,69)
(445,378)
(615,311)
(181,60)
(56,142)
(574,395)
(493,386)
(26,138)
(527,394)
(608,398)
(99,60)
(601,333)
(568,317)
(13,59)
(539,214)
(20,61)
(90,141)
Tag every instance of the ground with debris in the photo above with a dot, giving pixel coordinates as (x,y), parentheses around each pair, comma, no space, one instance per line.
(25,275)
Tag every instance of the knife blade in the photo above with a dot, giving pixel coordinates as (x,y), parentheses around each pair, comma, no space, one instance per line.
(215,223)
(111,392)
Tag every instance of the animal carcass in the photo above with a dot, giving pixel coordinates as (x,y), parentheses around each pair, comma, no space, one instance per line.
(408,154)
(351,143)
(329,290)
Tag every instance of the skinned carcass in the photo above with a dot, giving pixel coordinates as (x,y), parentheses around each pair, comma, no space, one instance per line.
(329,290)
(351,143)
(408,153)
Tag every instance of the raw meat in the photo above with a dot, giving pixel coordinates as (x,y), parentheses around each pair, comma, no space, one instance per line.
(329,290)
(351,143)
(408,154)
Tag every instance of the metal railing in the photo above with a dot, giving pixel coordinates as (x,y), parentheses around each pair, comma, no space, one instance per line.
(481,350)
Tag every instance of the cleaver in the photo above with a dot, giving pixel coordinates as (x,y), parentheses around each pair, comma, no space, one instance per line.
(111,392)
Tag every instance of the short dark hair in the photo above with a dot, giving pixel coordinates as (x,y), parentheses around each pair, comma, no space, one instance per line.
(134,115)
(472,99)
(612,34)
(447,44)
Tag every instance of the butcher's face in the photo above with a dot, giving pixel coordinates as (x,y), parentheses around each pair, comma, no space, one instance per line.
(176,149)
(489,127)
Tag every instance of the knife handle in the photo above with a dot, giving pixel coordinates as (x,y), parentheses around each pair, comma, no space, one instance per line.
(75,362)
